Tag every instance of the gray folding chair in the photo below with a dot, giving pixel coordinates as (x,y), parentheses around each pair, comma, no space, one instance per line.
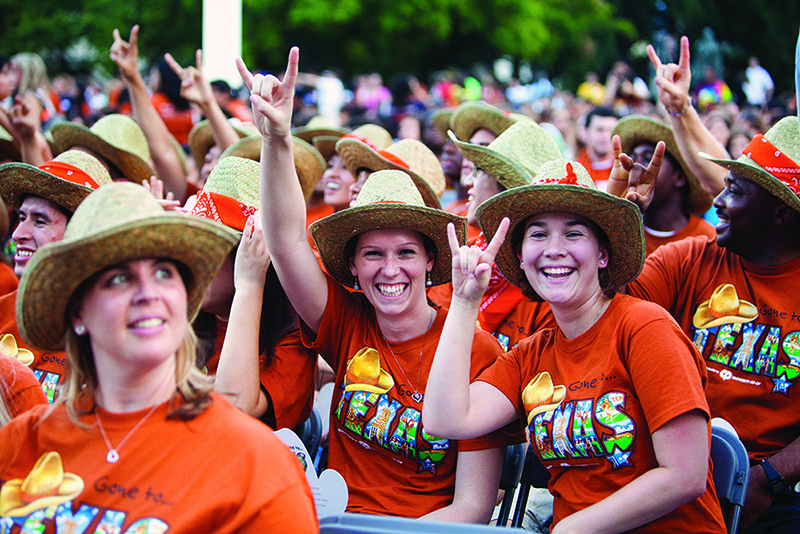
(731,473)
(535,475)
(376,524)
(509,479)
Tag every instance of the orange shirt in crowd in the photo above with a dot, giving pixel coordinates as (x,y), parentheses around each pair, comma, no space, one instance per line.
(20,389)
(221,472)
(8,280)
(753,353)
(696,227)
(48,367)
(619,389)
(178,122)
(600,171)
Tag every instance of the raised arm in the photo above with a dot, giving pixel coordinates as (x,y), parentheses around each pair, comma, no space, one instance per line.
(166,162)
(238,369)
(196,88)
(27,124)
(283,208)
(691,134)
(453,408)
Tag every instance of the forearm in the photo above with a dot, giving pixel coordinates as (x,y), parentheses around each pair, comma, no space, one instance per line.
(224,134)
(35,150)
(446,408)
(693,137)
(238,370)
(166,162)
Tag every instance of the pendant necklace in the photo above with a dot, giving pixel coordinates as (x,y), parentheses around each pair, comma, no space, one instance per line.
(113,456)
(416,396)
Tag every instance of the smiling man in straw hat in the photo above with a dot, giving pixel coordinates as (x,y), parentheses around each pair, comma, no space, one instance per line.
(679,200)
(736,298)
(45,198)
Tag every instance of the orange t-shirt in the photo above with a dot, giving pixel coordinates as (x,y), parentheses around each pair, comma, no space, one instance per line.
(695,227)
(753,354)
(620,388)
(600,171)
(221,472)
(377,443)
(288,381)
(48,367)
(178,122)
(21,391)
(8,280)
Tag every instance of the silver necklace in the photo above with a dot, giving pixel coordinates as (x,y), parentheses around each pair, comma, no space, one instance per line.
(416,396)
(113,456)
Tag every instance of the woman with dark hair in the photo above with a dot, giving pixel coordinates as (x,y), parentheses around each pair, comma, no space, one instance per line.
(112,453)
(613,397)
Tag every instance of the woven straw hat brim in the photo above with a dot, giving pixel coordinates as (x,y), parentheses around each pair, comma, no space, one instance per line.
(57,269)
(201,139)
(20,179)
(308,162)
(440,119)
(749,169)
(470,117)
(501,167)
(635,130)
(308,135)
(620,220)
(326,145)
(67,135)
(332,233)
(357,154)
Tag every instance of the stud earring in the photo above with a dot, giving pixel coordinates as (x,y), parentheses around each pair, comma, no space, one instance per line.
(428,281)
(80,329)
(522,265)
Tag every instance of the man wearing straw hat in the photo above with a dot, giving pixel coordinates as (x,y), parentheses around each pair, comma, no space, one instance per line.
(679,200)
(45,198)
(736,298)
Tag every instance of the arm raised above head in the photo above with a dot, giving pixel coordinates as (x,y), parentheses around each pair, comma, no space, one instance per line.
(283,208)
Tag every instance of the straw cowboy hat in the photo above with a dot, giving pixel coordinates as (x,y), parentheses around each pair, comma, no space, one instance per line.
(316,126)
(541,396)
(389,199)
(724,307)
(377,135)
(115,137)
(46,485)
(117,223)
(566,186)
(8,146)
(470,117)
(308,162)
(636,129)
(440,120)
(772,161)
(201,138)
(515,156)
(230,194)
(407,155)
(66,180)
(364,373)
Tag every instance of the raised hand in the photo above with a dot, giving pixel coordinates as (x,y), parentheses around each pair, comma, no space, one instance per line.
(472,267)
(252,257)
(272,100)
(156,188)
(634,181)
(673,80)
(25,115)
(194,86)
(126,53)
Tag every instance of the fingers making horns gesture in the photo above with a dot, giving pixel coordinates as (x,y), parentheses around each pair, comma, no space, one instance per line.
(472,267)
(634,181)
(272,99)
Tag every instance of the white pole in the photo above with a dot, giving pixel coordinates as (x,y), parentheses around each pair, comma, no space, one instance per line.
(222,39)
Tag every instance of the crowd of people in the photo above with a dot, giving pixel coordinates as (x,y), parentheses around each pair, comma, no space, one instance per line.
(598,275)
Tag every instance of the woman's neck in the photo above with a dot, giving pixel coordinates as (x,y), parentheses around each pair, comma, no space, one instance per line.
(408,326)
(122,391)
(576,320)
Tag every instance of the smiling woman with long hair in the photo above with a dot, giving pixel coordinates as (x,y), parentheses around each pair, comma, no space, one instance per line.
(136,411)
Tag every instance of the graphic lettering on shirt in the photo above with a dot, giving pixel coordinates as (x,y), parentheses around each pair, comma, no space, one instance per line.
(367,409)
(725,331)
(43,502)
(568,430)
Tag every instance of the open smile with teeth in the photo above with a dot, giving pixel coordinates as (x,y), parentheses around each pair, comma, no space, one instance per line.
(392,290)
(148,323)
(333,186)
(557,273)
(24,253)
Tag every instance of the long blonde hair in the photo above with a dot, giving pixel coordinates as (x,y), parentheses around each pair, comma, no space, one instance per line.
(32,72)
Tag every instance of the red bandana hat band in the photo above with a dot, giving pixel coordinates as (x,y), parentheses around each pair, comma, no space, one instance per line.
(223,209)
(774,161)
(70,173)
(570,179)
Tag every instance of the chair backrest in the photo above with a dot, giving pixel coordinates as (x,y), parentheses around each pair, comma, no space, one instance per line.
(310,432)
(534,475)
(731,472)
(509,479)
(375,524)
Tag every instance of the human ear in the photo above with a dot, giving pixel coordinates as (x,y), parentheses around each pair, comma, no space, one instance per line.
(604,256)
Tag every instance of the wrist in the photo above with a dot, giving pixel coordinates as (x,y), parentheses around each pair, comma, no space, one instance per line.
(683,111)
